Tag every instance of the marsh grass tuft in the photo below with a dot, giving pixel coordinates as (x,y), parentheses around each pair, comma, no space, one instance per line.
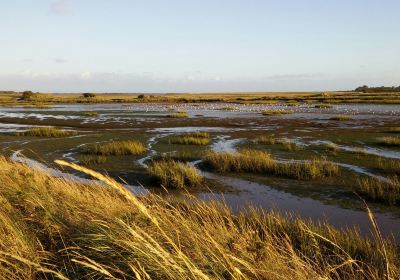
(90,114)
(46,132)
(116,148)
(382,190)
(341,118)
(292,146)
(178,115)
(276,112)
(389,141)
(254,161)
(92,159)
(175,174)
(331,147)
(51,228)
(394,130)
(197,138)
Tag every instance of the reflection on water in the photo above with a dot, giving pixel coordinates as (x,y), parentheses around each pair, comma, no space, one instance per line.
(265,197)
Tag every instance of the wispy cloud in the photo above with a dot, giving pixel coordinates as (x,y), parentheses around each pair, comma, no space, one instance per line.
(61,7)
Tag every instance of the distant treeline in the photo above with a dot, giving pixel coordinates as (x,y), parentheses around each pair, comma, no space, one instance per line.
(377,89)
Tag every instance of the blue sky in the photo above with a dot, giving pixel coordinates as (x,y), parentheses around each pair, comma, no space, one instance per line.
(198,46)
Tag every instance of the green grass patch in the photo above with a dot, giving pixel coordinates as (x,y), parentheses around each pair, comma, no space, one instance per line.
(175,175)
(46,132)
(116,148)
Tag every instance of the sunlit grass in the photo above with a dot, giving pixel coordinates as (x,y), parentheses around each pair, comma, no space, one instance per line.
(46,132)
(90,114)
(382,190)
(92,159)
(388,141)
(198,138)
(55,229)
(276,112)
(254,161)
(175,174)
(116,148)
(341,118)
(394,130)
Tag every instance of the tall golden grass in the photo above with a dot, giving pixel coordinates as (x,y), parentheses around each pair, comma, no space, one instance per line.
(51,228)
(175,174)
(377,189)
(254,161)
(197,138)
(389,141)
(46,132)
(116,148)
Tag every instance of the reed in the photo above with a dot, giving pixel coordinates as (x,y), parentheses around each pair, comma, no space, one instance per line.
(341,118)
(90,114)
(178,115)
(276,112)
(46,132)
(198,138)
(253,161)
(389,141)
(92,159)
(387,190)
(116,148)
(175,174)
(52,228)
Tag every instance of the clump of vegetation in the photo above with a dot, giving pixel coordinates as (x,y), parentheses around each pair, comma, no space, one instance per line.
(116,148)
(341,118)
(90,114)
(323,106)
(254,161)
(378,189)
(175,174)
(292,146)
(46,132)
(92,159)
(359,151)
(178,115)
(276,112)
(266,140)
(388,141)
(27,95)
(388,165)
(53,228)
(89,95)
(287,144)
(198,138)
(332,147)
(394,130)
(227,108)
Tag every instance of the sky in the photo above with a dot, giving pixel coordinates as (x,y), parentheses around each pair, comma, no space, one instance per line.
(198,46)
